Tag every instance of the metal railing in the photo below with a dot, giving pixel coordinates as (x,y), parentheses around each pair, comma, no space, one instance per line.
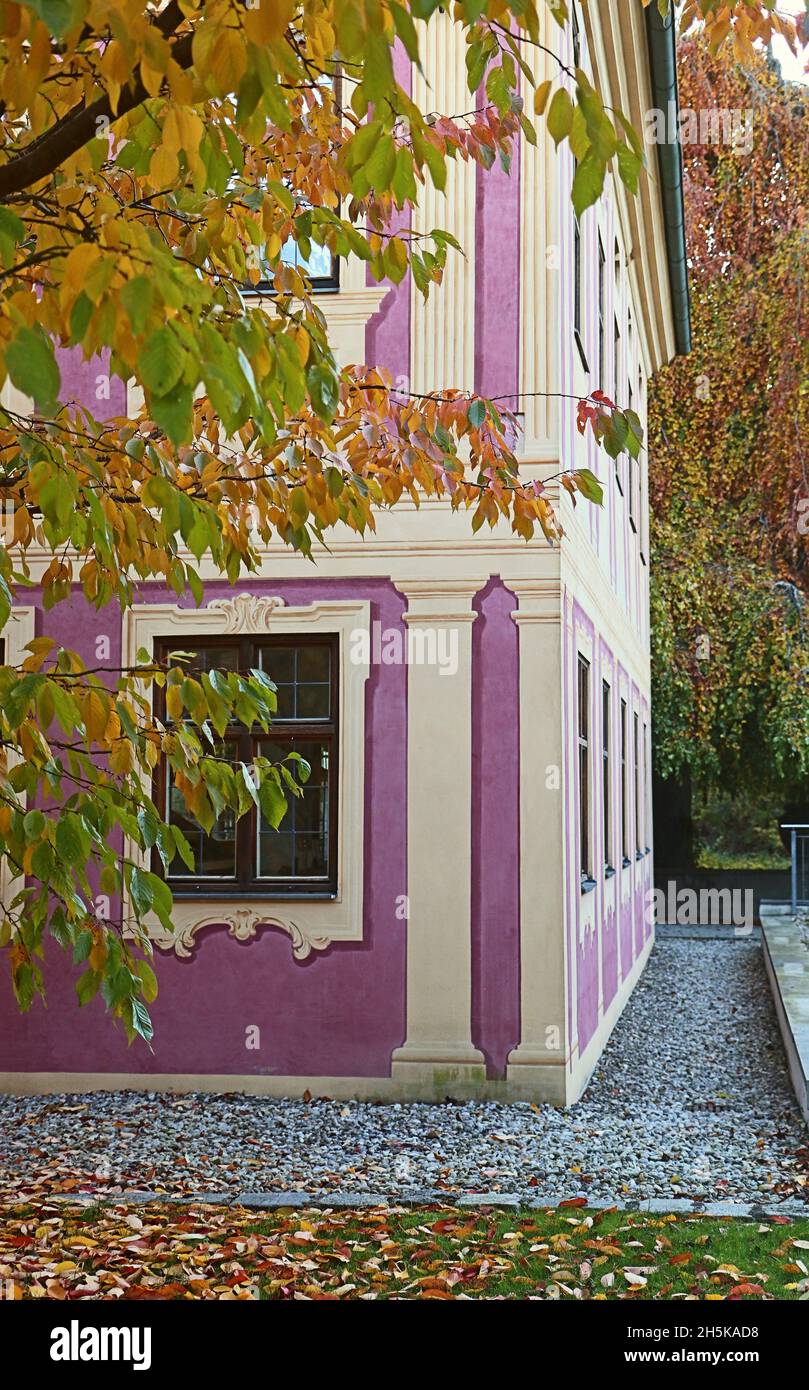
(799,853)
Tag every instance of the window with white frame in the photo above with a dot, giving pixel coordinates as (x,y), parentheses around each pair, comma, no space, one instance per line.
(326,839)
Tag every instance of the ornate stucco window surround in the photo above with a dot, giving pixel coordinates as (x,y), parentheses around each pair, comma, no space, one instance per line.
(311,924)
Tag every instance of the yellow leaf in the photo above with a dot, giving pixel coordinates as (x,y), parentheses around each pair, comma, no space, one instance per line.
(164,167)
(541,95)
(121,758)
(227,61)
(95,713)
(76,268)
(97,960)
(174,702)
(266,23)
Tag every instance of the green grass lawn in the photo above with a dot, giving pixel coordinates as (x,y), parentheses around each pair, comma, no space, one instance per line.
(52,1250)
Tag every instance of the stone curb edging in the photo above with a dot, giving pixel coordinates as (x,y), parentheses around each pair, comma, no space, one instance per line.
(431,1197)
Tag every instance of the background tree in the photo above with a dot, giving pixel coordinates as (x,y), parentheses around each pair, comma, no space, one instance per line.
(159,160)
(727,439)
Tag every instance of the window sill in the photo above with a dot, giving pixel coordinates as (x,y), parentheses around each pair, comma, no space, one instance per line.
(609,872)
(207,893)
(640,854)
(588,885)
(625,863)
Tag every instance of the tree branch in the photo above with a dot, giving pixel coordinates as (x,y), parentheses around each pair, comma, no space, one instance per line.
(75,129)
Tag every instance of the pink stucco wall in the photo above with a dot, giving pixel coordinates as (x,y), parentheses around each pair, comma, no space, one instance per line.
(341,1012)
(602,957)
(495,828)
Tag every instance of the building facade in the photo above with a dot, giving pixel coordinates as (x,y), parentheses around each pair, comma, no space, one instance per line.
(457,907)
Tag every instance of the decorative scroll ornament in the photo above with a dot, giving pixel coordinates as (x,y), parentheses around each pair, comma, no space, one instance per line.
(247,612)
(242,923)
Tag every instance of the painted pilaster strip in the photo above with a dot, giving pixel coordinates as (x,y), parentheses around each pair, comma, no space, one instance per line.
(438,1048)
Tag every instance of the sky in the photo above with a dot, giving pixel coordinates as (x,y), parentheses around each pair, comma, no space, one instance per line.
(793,68)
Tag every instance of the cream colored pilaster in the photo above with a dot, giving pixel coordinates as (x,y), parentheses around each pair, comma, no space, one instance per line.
(540,270)
(442,352)
(537,1066)
(438,1049)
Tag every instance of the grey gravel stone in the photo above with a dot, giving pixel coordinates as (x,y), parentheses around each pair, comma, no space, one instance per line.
(690,1101)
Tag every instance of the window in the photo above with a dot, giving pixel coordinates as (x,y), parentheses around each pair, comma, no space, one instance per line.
(605,769)
(624,797)
(616,360)
(616,338)
(316,262)
(601,330)
(248,857)
(638,785)
(576,37)
(584,769)
(648,784)
(643,519)
(321,267)
(577,293)
(633,468)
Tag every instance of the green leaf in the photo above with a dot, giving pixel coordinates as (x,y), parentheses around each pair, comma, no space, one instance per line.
(146,975)
(136,297)
(588,182)
(162,361)
(362,146)
(141,1022)
(404,181)
(629,167)
(140,891)
(58,16)
(87,986)
(323,391)
(272,801)
(33,369)
(172,412)
(72,842)
(589,486)
(560,115)
(476,414)
(12,231)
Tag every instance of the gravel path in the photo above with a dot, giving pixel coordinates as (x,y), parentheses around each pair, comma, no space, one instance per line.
(691,1099)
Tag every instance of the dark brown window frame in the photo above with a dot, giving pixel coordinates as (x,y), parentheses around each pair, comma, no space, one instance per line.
(246,883)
